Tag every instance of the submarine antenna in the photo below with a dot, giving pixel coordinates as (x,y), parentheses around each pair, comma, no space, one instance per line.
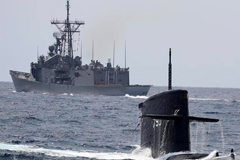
(170,71)
(92,49)
(125,55)
(113,52)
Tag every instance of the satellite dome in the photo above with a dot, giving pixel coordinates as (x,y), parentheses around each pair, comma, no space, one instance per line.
(51,48)
(57,35)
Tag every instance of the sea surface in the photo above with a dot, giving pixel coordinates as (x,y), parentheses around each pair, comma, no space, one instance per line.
(47,126)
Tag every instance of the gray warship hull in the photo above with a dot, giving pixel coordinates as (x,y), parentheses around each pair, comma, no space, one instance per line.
(26,85)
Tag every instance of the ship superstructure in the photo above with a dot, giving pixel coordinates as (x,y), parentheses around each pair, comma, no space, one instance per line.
(61,72)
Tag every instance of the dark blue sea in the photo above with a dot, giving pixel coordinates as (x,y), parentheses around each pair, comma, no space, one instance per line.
(47,126)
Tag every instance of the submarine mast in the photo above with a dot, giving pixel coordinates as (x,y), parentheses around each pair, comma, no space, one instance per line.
(170,71)
(67,30)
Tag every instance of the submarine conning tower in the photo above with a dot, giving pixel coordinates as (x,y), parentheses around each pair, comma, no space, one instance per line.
(165,120)
(167,134)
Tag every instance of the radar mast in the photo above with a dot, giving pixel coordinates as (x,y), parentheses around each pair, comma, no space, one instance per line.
(67,28)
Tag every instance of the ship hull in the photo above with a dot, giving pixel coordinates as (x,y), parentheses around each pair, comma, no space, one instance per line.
(25,85)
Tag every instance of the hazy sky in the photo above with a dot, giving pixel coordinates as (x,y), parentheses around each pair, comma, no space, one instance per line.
(204,36)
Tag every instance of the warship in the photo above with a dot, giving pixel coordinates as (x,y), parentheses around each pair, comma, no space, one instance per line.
(62,72)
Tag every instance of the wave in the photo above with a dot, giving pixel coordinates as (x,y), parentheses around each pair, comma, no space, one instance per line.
(134,97)
(137,154)
(206,99)
(192,99)
(66,94)
(212,99)
(33,118)
(211,155)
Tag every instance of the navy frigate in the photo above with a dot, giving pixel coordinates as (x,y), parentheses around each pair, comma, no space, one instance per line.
(62,72)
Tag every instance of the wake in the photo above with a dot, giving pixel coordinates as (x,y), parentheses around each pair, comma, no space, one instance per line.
(136,97)
(137,154)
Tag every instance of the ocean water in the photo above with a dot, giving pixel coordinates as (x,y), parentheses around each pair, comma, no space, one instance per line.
(47,126)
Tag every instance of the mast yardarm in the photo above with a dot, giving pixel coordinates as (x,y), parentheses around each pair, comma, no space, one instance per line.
(67,28)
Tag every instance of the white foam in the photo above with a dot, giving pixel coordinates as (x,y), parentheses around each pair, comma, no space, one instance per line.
(14,91)
(204,99)
(71,94)
(211,155)
(137,154)
(166,156)
(134,97)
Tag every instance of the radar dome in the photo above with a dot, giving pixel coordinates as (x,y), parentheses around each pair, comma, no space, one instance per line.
(57,35)
(51,48)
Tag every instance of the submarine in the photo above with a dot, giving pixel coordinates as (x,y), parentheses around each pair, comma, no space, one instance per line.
(165,123)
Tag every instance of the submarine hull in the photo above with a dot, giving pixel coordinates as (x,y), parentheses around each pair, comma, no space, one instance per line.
(26,85)
(165,135)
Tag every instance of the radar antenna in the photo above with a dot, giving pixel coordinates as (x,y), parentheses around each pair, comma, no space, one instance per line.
(37,52)
(70,27)
(125,54)
(81,50)
(113,52)
(92,49)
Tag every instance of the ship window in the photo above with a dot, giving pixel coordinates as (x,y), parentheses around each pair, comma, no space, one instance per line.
(77,74)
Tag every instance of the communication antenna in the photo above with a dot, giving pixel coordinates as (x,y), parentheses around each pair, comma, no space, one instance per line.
(37,52)
(113,52)
(67,28)
(92,49)
(125,54)
(169,71)
(81,49)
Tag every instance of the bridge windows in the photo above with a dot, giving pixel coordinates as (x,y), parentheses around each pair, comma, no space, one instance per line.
(77,74)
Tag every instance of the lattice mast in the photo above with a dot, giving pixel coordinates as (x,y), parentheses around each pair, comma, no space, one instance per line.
(67,29)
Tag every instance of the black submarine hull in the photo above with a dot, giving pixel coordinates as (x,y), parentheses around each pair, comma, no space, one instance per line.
(164,135)
(165,123)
